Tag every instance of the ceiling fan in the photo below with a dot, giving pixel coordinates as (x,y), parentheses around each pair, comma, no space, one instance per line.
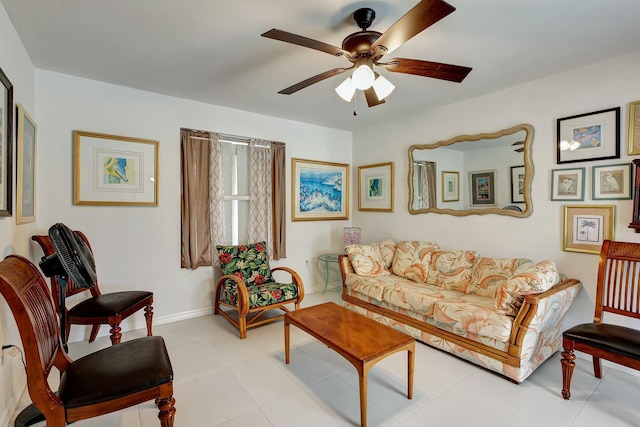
(365,49)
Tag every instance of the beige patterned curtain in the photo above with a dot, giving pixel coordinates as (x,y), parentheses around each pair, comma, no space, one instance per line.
(260,219)
(194,194)
(216,196)
(267,207)
(426,184)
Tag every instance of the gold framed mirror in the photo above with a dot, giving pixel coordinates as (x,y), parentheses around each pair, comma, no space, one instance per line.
(487,173)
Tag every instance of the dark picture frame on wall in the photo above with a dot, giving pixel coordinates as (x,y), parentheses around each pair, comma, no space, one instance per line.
(590,136)
(483,188)
(517,184)
(6,145)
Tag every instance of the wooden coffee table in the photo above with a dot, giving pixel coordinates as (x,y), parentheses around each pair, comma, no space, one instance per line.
(360,340)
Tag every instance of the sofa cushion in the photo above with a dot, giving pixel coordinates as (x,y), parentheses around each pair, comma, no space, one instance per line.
(472,314)
(527,280)
(249,262)
(489,274)
(387,250)
(411,260)
(451,269)
(366,260)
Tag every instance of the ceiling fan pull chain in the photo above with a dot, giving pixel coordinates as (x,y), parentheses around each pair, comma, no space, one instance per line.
(355,103)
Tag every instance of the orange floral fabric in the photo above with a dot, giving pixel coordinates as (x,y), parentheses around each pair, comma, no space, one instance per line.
(489,274)
(451,269)
(366,260)
(411,260)
(387,250)
(525,281)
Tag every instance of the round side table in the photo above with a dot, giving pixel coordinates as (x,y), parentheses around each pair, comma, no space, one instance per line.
(327,259)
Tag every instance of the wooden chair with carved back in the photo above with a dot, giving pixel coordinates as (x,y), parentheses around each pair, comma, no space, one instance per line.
(108,380)
(100,309)
(617,291)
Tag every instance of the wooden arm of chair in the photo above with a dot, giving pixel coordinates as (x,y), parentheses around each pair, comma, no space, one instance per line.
(243,293)
(295,278)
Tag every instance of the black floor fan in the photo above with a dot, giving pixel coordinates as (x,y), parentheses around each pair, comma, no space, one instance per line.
(73,260)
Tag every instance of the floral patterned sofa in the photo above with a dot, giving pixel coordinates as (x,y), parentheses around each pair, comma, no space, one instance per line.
(504,314)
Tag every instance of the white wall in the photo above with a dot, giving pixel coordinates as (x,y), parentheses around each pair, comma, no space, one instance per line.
(139,247)
(604,85)
(18,67)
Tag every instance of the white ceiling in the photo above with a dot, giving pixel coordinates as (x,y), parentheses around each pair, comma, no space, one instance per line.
(211,51)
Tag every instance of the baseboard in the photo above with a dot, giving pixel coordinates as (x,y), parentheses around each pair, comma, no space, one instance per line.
(80,333)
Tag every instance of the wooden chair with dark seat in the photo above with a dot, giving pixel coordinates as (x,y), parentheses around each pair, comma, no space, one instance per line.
(100,309)
(249,290)
(108,380)
(617,291)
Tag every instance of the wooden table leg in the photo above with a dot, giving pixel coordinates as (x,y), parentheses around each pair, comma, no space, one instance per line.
(286,341)
(411,356)
(363,399)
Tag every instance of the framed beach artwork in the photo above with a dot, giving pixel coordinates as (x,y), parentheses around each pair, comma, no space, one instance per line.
(590,136)
(567,184)
(111,170)
(587,227)
(320,190)
(26,160)
(375,187)
(611,182)
(450,186)
(483,188)
(6,145)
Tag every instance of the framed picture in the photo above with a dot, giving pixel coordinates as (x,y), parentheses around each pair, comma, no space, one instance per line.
(6,145)
(634,128)
(586,227)
(450,186)
(26,159)
(611,182)
(375,187)
(483,188)
(517,184)
(111,170)
(590,136)
(567,184)
(320,190)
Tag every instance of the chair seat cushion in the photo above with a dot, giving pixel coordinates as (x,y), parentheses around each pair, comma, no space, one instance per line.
(116,371)
(260,295)
(613,338)
(111,304)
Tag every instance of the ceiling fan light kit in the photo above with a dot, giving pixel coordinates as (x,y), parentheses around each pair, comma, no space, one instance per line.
(363,77)
(346,89)
(364,49)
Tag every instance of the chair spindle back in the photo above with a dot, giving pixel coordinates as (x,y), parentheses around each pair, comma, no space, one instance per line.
(618,288)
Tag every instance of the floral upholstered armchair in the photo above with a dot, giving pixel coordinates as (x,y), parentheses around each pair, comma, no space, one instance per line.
(248,289)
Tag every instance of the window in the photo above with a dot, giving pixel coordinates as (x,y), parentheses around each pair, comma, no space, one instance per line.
(232,192)
(235,172)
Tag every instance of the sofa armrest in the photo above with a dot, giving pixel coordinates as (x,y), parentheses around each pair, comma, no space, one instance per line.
(546,309)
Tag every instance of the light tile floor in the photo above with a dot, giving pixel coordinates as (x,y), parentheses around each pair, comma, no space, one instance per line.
(223,381)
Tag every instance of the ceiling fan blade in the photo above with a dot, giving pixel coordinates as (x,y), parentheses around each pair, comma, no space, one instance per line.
(305,42)
(518,143)
(372,98)
(437,70)
(423,15)
(315,79)
(519,150)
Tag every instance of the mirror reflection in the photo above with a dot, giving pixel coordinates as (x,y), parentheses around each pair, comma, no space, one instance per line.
(473,174)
